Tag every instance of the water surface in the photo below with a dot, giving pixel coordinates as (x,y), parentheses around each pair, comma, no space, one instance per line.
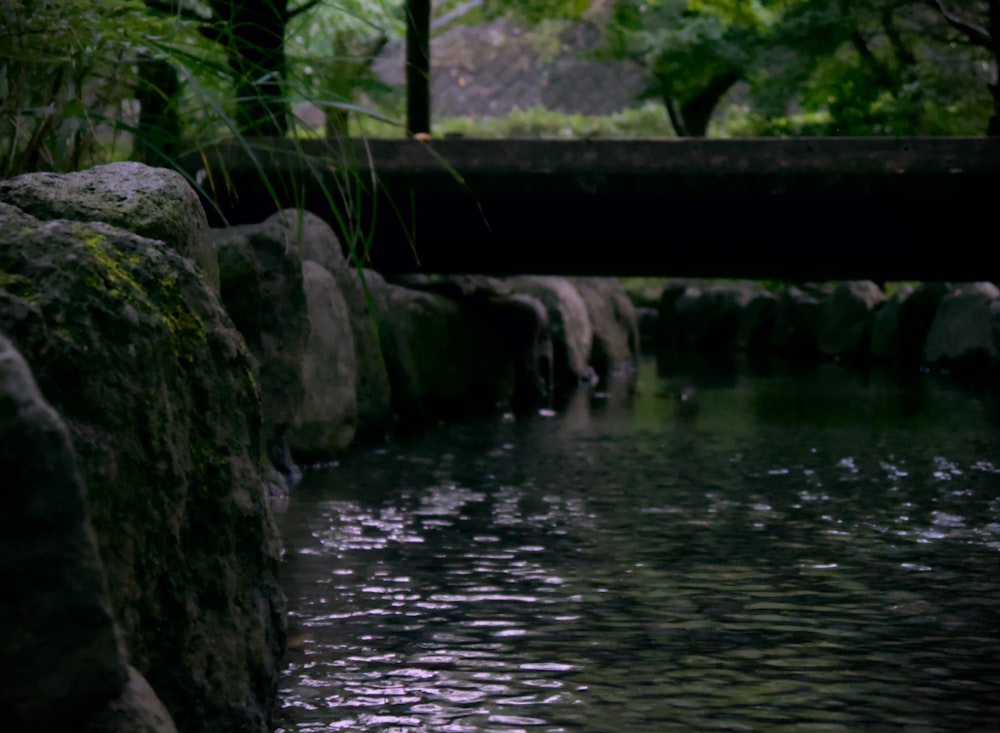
(808,551)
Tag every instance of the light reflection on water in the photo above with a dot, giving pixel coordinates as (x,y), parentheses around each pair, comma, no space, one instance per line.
(805,552)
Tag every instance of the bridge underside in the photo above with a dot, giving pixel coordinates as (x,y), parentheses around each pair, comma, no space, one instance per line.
(832,208)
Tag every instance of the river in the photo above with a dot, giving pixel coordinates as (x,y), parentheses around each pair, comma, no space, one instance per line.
(810,549)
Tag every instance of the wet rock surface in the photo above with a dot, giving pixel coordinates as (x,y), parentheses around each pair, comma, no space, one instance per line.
(62,658)
(182,387)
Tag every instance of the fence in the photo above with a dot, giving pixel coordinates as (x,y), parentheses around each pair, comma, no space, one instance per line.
(501,77)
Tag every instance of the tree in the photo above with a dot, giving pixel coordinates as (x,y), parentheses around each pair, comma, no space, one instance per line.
(331,51)
(695,52)
(61,80)
(878,67)
(252,35)
(983,35)
(837,67)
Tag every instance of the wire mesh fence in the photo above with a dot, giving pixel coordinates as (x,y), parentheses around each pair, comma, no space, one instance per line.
(504,77)
(651,68)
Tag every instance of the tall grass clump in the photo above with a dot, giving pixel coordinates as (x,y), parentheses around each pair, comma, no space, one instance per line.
(63,94)
(168,82)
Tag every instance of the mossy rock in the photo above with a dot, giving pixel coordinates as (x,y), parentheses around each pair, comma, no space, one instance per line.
(153,202)
(156,386)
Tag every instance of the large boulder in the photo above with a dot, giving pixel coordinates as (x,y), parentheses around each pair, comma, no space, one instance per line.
(326,422)
(569,324)
(261,275)
(846,321)
(157,389)
(521,320)
(366,294)
(443,358)
(363,292)
(668,329)
(615,347)
(757,320)
(886,338)
(62,660)
(798,320)
(649,327)
(916,314)
(154,202)
(709,317)
(523,323)
(963,333)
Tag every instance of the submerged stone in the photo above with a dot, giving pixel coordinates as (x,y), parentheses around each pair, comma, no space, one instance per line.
(363,293)
(964,333)
(326,421)
(443,358)
(846,321)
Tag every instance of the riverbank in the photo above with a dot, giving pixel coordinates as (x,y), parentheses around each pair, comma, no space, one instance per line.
(182,374)
(947,327)
(185,373)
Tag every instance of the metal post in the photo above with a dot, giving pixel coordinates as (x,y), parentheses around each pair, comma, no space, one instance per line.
(418,67)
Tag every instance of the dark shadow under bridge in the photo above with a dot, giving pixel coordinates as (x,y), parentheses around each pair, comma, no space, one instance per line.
(820,208)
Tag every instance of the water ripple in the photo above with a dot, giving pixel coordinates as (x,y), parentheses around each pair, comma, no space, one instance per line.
(566,575)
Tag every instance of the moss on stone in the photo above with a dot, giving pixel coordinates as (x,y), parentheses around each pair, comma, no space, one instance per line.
(18,285)
(132,347)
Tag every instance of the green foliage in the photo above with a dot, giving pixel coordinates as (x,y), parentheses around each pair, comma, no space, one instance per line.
(841,67)
(64,75)
(331,49)
(646,121)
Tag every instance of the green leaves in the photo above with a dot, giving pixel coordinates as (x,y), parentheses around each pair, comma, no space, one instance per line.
(901,67)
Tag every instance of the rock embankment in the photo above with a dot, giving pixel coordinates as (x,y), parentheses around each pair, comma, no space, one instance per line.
(953,326)
(182,373)
(131,346)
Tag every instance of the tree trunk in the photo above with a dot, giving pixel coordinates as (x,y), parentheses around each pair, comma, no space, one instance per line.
(692,119)
(697,111)
(158,137)
(993,127)
(253,33)
(418,66)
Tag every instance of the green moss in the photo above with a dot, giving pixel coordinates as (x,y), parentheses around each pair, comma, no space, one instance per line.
(114,273)
(19,286)
(117,281)
(184,325)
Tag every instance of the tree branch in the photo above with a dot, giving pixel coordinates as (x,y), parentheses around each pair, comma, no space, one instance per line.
(977,34)
(675,119)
